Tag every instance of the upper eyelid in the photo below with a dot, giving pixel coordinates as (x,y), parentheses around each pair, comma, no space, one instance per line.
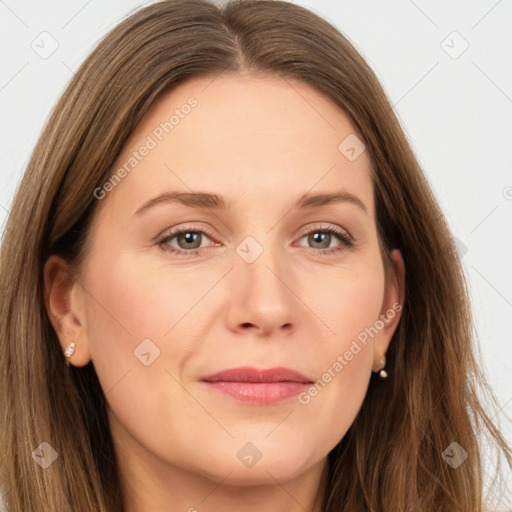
(206,231)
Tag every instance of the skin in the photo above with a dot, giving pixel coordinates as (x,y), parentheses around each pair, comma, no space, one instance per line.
(261,142)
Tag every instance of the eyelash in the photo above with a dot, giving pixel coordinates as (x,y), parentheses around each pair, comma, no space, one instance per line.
(343,237)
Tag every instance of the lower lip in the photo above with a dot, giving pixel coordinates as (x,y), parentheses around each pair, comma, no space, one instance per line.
(259,392)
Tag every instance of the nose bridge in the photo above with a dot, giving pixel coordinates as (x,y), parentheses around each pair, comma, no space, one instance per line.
(260,261)
(261,283)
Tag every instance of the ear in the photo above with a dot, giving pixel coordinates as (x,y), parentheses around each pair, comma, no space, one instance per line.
(64,300)
(391,311)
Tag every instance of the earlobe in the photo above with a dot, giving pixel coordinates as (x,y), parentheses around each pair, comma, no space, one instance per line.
(64,305)
(391,311)
(380,368)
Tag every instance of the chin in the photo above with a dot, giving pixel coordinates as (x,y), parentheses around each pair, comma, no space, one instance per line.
(263,473)
(262,461)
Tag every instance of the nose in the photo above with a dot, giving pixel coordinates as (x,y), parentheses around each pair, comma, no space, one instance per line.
(262,297)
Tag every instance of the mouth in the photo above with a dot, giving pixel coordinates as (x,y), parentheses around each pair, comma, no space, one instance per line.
(256,386)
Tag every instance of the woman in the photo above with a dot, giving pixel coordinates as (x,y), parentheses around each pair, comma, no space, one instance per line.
(254,369)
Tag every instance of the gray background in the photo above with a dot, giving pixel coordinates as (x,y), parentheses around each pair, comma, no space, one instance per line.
(454,103)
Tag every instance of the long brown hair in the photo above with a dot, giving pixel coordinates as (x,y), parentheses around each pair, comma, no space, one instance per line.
(391,457)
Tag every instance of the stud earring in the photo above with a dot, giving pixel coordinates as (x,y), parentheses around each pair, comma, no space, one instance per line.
(69,351)
(383,373)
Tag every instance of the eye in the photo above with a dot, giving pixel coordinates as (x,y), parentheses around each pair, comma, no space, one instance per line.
(321,238)
(189,241)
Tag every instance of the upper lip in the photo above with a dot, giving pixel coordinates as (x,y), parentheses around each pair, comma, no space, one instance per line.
(249,374)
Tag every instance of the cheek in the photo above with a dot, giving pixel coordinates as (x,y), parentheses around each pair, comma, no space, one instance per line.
(347,301)
(132,302)
(132,314)
(349,308)
(137,320)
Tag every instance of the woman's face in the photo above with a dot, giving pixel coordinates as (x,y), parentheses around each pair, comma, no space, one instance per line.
(210,253)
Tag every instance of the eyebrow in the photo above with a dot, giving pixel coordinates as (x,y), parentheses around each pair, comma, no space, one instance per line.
(217,202)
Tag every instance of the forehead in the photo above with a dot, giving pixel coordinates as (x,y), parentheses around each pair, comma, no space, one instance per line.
(267,139)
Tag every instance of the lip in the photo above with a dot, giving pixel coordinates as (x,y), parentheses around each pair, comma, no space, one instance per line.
(253,385)
(250,374)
